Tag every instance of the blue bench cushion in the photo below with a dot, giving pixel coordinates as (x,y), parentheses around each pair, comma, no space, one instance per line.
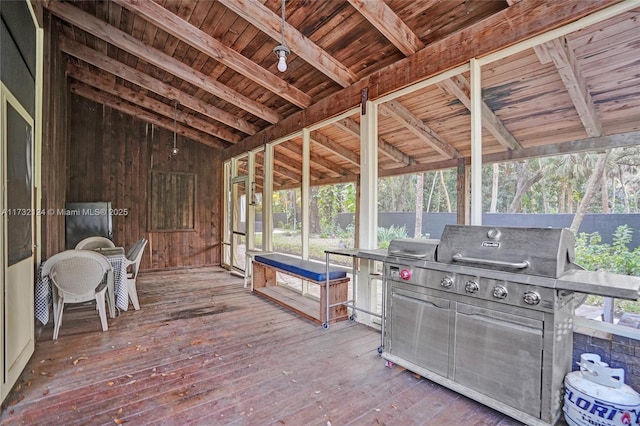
(312,271)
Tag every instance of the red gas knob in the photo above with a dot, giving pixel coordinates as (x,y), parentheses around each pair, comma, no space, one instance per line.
(405,274)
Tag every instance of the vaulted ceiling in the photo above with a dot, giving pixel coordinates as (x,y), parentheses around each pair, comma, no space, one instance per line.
(211,65)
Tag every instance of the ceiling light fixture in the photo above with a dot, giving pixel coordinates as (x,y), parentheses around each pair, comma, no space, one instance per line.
(281,50)
(174,150)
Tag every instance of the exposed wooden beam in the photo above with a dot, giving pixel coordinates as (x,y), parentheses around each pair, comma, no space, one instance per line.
(110,86)
(419,128)
(339,150)
(279,169)
(128,43)
(515,24)
(595,144)
(461,89)
(315,159)
(384,147)
(270,23)
(541,53)
(565,61)
(192,35)
(139,78)
(332,167)
(389,24)
(135,111)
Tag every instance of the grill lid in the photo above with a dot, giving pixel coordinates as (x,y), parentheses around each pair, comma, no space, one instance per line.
(414,248)
(545,252)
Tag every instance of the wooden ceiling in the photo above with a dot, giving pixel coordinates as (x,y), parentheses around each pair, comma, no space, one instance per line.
(211,64)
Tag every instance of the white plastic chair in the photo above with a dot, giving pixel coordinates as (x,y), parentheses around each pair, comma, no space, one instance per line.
(91,243)
(134,257)
(77,276)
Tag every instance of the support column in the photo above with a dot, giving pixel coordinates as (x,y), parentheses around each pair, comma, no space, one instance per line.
(368,204)
(304,199)
(476,143)
(267,199)
(462,191)
(305,191)
(251,206)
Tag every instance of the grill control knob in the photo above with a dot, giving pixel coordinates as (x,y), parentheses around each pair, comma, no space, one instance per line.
(405,274)
(531,298)
(446,282)
(500,292)
(471,287)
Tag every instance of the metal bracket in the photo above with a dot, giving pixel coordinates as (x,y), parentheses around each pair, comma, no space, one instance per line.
(364,97)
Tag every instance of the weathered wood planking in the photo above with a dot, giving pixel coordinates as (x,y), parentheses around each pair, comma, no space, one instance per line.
(54,137)
(203,350)
(111,155)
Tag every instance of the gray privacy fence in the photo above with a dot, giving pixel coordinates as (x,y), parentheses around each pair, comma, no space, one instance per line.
(433,223)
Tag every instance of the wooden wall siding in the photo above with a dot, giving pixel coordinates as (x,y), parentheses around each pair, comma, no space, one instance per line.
(54,137)
(111,155)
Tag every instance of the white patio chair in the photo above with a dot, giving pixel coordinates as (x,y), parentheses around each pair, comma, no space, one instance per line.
(77,276)
(134,257)
(91,243)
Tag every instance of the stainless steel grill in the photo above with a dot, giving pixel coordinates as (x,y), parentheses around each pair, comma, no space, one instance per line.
(488,312)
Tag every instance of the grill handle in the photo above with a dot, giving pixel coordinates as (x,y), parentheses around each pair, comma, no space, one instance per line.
(515,265)
(407,255)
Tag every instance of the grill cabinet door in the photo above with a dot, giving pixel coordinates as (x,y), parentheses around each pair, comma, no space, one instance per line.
(420,330)
(499,355)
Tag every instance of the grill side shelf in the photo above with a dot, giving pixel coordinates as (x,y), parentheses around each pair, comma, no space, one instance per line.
(600,283)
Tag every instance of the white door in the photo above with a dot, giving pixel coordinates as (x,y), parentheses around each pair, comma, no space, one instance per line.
(16,277)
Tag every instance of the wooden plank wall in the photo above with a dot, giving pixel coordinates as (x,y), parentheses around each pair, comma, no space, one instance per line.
(111,156)
(54,136)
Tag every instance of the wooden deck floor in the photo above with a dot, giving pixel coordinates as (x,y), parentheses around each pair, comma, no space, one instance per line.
(205,351)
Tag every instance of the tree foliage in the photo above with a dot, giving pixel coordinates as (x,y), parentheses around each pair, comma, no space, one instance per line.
(592,254)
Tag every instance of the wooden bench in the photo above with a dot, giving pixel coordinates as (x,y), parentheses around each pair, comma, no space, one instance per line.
(264,282)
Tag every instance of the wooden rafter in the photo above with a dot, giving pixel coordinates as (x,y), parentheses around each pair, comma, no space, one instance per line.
(419,128)
(139,78)
(384,147)
(565,62)
(109,85)
(270,23)
(459,87)
(198,39)
(389,24)
(516,23)
(335,147)
(127,108)
(124,41)
(598,143)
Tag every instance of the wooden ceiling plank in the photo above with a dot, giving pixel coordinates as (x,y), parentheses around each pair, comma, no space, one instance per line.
(124,41)
(461,89)
(270,23)
(515,24)
(389,24)
(565,61)
(330,144)
(108,85)
(183,30)
(419,128)
(140,113)
(141,79)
